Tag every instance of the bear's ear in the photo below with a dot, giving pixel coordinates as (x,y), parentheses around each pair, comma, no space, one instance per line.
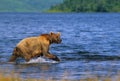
(58,33)
(51,33)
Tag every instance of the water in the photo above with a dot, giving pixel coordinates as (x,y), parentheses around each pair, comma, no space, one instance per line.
(90,44)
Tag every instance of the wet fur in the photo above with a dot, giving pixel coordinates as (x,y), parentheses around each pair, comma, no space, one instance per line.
(35,46)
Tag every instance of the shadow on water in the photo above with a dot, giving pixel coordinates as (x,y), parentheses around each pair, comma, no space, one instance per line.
(95,56)
(91,56)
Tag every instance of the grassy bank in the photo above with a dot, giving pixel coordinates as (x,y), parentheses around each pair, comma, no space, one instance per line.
(13,77)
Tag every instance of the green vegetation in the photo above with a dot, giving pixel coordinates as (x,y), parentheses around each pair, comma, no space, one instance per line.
(87,6)
(13,77)
(26,5)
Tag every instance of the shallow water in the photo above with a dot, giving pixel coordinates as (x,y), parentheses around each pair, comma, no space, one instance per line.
(90,44)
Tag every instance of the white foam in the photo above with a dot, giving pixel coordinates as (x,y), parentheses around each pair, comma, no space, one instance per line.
(40,60)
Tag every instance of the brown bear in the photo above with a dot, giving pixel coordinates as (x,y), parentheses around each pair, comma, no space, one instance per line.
(36,46)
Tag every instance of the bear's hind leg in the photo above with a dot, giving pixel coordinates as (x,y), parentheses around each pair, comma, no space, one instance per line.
(15,54)
(12,58)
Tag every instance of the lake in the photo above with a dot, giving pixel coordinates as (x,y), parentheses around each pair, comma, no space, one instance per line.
(90,44)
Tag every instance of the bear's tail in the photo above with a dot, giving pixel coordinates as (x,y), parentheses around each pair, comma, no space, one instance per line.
(14,55)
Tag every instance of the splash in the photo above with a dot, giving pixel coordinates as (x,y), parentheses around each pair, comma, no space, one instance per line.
(40,60)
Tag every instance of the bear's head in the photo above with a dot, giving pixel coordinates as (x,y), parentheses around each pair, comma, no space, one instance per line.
(55,37)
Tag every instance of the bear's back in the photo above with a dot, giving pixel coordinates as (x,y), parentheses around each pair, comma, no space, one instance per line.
(28,41)
(33,41)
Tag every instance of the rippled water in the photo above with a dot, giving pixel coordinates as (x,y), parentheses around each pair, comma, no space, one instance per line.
(90,46)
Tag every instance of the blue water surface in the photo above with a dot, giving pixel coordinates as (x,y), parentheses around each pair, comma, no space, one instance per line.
(90,43)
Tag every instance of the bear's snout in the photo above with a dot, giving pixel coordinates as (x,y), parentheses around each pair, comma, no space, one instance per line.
(59,41)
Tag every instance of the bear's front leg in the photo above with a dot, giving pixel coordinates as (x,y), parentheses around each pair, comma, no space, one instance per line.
(55,58)
(51,56)
(45,52)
